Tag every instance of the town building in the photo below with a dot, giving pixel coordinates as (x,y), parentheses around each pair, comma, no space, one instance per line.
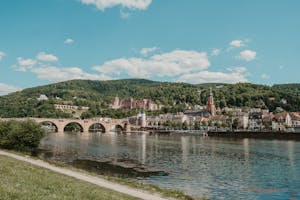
(141,119)
(130,103)
(69,107)
(281,121)
(255,121)
(295,119)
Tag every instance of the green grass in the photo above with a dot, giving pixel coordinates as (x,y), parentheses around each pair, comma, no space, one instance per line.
(20,180)
(174,194)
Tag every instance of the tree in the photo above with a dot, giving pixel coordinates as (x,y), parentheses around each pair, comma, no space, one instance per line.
(197,126)
(21,135)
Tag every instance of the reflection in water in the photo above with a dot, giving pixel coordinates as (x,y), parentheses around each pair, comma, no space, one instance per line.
(290,146)
(143,148)
(214,167)
(246,149)
(185,150)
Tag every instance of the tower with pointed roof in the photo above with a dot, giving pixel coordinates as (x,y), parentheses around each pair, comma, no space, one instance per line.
(210,106)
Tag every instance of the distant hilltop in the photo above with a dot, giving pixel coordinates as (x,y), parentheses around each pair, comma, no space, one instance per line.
(168,97)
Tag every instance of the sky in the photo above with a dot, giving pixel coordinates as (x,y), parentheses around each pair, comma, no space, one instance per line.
(194,41)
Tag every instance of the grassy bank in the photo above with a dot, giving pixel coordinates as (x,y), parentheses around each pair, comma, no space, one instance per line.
(19,180)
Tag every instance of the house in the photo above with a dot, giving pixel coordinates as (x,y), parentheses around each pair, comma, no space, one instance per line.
(267,120)
(42,97)
(295,119)
(281,121)
(255,121)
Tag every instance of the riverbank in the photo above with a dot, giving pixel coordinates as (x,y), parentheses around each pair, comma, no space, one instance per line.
(47,182)
(20,180)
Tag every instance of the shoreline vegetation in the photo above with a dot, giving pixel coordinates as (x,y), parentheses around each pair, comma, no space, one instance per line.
(23,138)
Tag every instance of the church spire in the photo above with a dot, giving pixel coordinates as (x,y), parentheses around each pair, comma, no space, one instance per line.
(210,106)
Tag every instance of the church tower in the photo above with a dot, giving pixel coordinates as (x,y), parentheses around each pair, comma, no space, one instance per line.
(210,106)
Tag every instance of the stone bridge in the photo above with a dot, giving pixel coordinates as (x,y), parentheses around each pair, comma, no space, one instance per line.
(107,124)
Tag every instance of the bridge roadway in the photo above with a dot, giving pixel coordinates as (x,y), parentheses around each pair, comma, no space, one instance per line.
(107,124)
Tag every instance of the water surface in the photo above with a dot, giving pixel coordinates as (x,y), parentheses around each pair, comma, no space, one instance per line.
(218,168)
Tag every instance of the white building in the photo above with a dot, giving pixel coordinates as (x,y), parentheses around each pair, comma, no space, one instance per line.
(42,97)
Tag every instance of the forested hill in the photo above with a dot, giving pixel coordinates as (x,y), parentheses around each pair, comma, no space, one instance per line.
(292,88)
(175,96)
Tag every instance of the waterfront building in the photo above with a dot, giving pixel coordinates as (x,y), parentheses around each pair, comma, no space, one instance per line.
(281,121)
(141,119)
(243,119)
(255,120)
(295,119)
(220,119)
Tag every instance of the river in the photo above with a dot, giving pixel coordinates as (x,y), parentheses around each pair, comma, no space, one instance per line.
(217,168)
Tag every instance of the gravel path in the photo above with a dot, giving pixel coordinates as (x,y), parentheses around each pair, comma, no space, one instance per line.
(88,178)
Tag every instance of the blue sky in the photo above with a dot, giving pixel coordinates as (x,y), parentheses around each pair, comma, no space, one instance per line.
(192,41)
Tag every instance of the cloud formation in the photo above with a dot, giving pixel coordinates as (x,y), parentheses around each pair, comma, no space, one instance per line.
(169,64)
(216,52)
(53,73)
(130,4)
(2,54)
(24,64)
(146,51)
(212,77)
(237,43)
(69,41)
(247,55)
(6,89)
(42,56)
(265,76)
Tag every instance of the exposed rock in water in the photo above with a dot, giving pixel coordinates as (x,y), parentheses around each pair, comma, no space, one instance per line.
(119,167)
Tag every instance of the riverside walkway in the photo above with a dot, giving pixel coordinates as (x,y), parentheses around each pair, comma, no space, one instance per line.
(88,178)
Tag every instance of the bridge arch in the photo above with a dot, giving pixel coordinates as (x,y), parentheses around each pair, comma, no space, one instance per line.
(73,127)
(96,128)
(119,128)
(49,126)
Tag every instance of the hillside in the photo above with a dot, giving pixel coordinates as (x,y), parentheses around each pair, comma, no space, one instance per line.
(175,96)
(291,88)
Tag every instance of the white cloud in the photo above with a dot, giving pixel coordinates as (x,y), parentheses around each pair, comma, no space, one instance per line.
(124,15)
(130,4)
(247,55)
(24,64)
(212,77)
(42,56)
(69,41)
(216,52)
(265,76)
(169,64)
(6,89)
(2,54)
(146,51)
(53,73)
(239,70)
(237,43)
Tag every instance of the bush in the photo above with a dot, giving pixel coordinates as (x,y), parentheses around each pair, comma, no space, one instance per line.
(21,135)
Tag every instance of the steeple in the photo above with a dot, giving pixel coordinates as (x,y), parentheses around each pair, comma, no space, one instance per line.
(210,106)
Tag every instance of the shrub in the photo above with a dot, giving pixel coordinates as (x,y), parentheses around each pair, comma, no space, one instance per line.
(21,135)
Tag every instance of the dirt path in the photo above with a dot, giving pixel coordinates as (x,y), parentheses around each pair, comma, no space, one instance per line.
(85,177)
